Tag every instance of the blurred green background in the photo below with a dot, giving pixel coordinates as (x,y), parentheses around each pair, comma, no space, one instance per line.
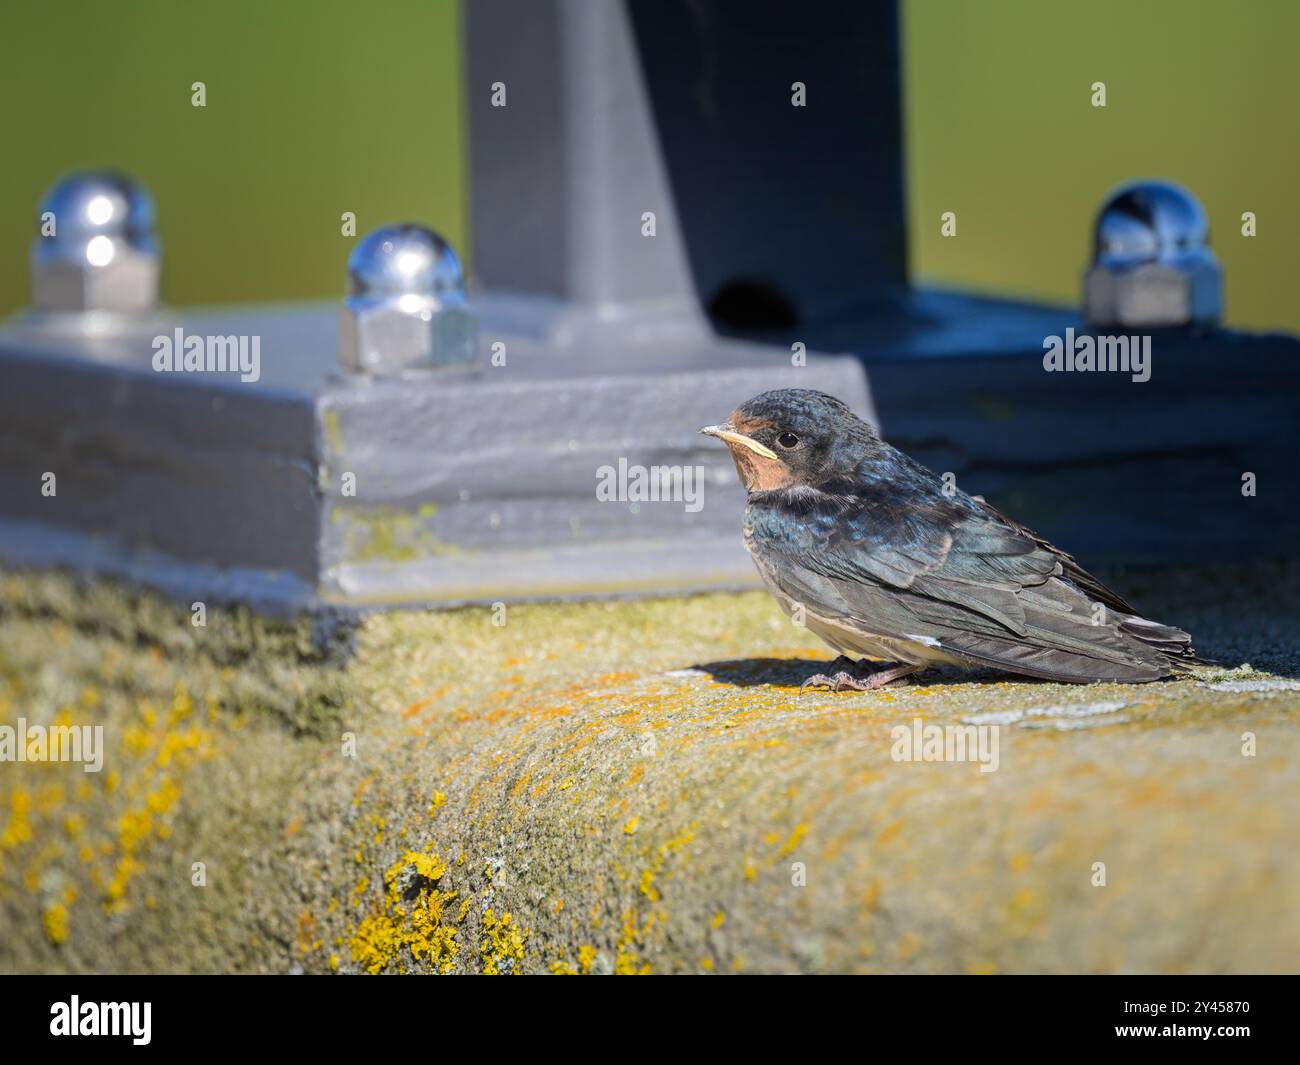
(313,108)
(999,128)
(316,108)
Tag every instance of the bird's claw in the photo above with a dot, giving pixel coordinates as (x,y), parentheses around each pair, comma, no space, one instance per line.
(858,681)
(835,683)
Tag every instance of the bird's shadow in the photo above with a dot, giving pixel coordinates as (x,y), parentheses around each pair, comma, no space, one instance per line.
(792,672)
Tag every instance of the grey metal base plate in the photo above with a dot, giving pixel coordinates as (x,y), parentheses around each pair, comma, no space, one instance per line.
(457,485)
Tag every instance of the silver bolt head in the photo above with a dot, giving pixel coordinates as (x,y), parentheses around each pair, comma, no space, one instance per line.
(1152,263)
(96,247)
(405,308)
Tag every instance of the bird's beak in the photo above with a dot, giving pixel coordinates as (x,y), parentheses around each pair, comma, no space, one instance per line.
(727,433)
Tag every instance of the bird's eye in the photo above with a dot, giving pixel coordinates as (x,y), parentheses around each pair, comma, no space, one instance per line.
(788,441)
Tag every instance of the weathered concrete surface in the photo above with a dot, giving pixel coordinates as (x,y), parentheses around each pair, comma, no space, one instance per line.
(636,787)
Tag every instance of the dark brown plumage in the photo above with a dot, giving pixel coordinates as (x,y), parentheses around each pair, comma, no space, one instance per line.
(887,564)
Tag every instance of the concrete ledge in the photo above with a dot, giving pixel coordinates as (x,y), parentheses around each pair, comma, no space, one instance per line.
(630,787)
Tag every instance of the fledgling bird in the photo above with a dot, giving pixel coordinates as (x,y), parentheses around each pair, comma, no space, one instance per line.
(888,567)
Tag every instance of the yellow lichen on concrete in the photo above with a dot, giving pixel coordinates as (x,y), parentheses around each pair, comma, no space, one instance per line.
(55,920)
(409,925)
(92,874)
(640,787)
(501,944)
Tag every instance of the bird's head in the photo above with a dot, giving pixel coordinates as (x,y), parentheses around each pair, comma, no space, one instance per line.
(793,437)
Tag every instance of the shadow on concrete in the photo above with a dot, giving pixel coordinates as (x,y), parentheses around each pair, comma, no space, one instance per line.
(792,672)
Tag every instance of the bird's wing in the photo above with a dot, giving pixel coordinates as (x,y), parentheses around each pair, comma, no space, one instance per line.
(907,561)
(1076,573)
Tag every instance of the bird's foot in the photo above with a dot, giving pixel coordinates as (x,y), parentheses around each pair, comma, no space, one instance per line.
(847,674)
(839,673)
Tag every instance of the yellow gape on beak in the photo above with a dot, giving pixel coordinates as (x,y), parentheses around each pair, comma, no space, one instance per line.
(727,432)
